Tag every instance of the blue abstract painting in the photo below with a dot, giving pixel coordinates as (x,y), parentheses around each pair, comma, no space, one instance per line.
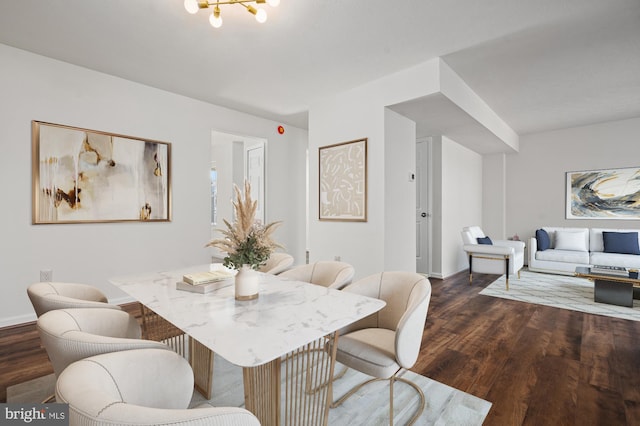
(604,194)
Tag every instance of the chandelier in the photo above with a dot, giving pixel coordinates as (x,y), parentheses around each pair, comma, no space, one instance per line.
(193,6)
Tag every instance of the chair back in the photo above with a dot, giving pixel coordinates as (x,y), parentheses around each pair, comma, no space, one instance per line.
(407,296)
(46,296)
(331,274)
(138,387)
(277,263)
(470,234)
(69,335)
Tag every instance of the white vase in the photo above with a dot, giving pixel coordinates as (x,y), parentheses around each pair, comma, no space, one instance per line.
(246,283)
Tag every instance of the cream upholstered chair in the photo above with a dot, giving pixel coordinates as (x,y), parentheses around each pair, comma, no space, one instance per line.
(383,344)
(46,296)
(138,387)
(493,256)
(277,263)
(330,274)
(72,334)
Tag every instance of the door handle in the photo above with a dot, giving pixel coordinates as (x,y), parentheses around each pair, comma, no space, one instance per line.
(423,214)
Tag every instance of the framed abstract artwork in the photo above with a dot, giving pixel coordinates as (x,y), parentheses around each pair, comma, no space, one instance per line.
(603,194)
(88,176)
(343,181)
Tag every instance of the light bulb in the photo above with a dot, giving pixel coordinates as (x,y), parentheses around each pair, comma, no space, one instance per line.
(261,16)
(191,6)
(273,3)
(215,19)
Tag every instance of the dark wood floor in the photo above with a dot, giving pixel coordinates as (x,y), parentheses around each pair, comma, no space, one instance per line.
(537,365)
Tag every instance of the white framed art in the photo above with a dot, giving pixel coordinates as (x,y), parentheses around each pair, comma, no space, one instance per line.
(603,194)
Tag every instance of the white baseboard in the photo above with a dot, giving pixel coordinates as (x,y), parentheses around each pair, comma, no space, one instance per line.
(18,319)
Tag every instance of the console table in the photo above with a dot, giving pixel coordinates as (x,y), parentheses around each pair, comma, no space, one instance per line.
(288,334)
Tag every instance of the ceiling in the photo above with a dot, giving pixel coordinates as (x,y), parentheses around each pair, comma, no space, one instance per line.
(539,64)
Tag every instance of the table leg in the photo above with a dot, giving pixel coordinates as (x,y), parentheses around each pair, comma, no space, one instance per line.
(304,376)
(613,293)
(262,392)
(201,360)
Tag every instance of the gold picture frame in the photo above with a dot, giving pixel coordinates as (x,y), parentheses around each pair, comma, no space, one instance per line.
(89,176)
(343,181)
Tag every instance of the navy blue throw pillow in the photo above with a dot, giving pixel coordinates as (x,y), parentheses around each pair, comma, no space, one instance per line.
(542,237)
(621,242)
(485,240)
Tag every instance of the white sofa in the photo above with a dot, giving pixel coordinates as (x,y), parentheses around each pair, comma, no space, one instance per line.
(578,247)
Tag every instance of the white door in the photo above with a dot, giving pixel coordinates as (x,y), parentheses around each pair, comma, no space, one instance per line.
(423,208)
(254,169)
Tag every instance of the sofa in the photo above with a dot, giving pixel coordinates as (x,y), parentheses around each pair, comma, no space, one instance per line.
(563,249)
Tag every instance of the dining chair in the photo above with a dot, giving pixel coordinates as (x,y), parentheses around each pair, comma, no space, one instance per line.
(277,263)
(139,387)
(384,344)
(46,296)
(331,274)
(69,335)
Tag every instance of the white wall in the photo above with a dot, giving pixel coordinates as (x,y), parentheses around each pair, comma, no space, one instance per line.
(400,223)
(359,113)
(535,179)
(349,117)
(494,202)
(37,88)
(461,201)
(355,114)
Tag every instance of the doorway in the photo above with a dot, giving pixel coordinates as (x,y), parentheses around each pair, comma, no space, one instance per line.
(234,159)
(423,205)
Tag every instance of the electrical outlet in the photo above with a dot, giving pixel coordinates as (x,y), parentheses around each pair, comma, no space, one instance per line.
(46,275)
(336,258)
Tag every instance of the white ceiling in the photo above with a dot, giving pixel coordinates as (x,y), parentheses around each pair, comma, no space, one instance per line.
(539,64)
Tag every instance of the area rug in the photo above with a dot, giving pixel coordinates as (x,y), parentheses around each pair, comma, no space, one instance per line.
(369,406)
(558,291)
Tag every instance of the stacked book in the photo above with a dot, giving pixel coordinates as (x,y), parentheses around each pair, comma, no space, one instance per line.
(610,270)
(204,282)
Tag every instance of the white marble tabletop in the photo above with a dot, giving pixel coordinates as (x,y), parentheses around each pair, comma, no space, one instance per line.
(286,315)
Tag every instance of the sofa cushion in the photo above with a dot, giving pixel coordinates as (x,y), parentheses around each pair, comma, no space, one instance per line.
(566,256)
(571,240)
(484,240)
(542,237)
(621,242)
(551,230)
(596,239)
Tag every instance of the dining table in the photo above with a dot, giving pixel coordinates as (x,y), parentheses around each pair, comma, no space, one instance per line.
(285,340)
